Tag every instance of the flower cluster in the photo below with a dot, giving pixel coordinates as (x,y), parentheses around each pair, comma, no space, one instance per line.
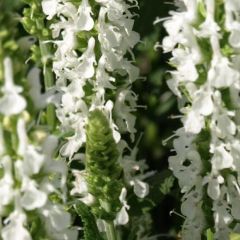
(26,170)
(203,37)
(94,69)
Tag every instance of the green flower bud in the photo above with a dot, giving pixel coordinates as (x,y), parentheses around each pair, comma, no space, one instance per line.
(102,167)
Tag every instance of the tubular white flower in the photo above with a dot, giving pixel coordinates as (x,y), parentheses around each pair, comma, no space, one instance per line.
(11,102)
(204,49)
(25,185)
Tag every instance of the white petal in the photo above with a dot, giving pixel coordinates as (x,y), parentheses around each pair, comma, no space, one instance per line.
(7,182)
(173,85)
(85,21)
(221,159)
(49,8)
(88,199)
(193,122)
(122,217)
(11,104)
(203,103)
(213,189)
(15,229)
(234,38)
(33,161)
(39,99)
(188,208)
(123,195)
(87,61)
(33,198)
(188,72)
(50,145)
(57,217)
(141,189)
(221,74)
(72,146)
(226,125)
(21,131)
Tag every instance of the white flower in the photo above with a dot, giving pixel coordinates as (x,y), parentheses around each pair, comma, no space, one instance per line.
(80,184)
(86,66)
(187,71)
(84,21)
(50,8)
(234,194)
(6,183)
(140,188)
(193,122)
(203,103)
(186,169)
(74,72)
(122,216)
(189,206)
(210,115)
(221,159)
(32,160)
(124,106)
(191,13)
(213,188)
(221,74)
(11,102)
(32,197)
(222,216)
(81,188)
(39,99)
(15,229)
(73,144)
(225,126)
(57,218)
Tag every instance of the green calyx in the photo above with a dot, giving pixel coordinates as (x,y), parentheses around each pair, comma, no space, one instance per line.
(34,20)
(102,167)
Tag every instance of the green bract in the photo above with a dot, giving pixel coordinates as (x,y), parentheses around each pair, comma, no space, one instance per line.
(102,167)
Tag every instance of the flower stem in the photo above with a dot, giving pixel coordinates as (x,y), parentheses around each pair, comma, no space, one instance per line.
(110,230)
(48,82)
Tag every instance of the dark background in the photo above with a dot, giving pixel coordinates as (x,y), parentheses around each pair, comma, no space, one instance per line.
(155,120)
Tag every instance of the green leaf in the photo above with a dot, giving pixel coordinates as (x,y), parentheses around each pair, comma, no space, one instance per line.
(90,227)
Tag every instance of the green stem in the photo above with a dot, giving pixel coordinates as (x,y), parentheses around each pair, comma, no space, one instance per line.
(110,231)
(48,82)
